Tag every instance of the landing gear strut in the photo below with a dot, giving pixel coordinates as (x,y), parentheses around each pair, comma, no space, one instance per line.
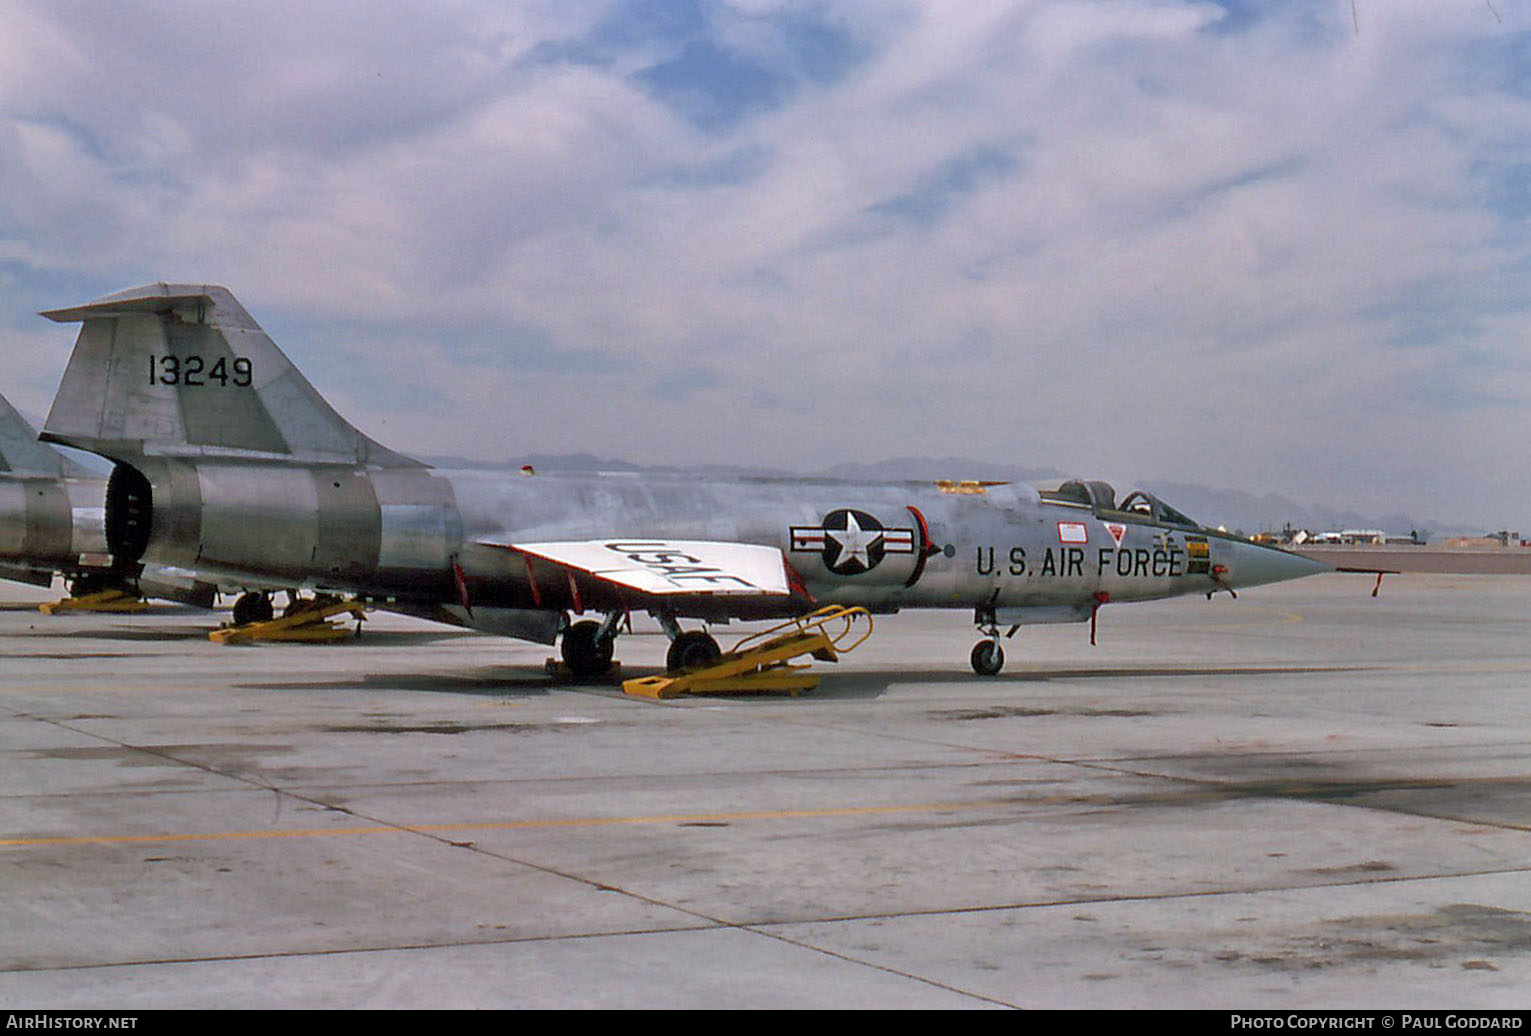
(988,657)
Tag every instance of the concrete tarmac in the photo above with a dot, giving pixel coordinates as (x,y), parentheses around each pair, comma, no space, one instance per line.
(1302,798)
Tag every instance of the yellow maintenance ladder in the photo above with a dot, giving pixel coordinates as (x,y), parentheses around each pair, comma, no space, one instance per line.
(760,662)
(306,622)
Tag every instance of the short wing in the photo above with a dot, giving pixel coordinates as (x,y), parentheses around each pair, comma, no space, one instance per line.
(664,568)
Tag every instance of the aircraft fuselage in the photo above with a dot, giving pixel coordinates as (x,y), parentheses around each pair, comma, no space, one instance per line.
(421,535)
(52,524)
(230,464)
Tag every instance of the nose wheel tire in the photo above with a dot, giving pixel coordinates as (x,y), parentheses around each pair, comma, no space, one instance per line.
(692,649)
(585,651)
(988,658)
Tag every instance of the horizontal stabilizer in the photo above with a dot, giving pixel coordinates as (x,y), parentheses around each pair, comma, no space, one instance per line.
(665,567)
(157,298)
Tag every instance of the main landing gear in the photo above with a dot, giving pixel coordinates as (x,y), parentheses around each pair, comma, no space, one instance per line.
(689,649)
(252,607)
(692,649)
(588,647)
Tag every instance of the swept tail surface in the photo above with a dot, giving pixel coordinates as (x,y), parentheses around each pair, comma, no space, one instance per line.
(184,370)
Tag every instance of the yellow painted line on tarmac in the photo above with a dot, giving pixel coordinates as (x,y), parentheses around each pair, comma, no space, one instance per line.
(500,825)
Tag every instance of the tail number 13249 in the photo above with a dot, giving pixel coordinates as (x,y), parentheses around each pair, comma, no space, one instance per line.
(199,371)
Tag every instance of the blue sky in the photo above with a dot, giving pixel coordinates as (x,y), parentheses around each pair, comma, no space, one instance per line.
(1274,247)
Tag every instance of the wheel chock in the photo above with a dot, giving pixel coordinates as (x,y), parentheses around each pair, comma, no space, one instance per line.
(115,601)
(760,663)
(308,625)
(560,671)
(788,679)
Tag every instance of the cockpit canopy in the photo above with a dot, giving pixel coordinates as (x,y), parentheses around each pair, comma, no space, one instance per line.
(1101,499)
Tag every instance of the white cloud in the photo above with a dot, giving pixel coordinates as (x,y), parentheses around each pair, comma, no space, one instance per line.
(1114,236)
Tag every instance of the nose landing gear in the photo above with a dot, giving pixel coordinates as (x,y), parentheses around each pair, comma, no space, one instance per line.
(988,657)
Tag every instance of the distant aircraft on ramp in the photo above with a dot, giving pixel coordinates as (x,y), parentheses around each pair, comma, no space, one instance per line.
(229,462)
(1420,559)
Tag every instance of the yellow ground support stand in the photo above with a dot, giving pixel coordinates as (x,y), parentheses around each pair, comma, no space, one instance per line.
(760,662)
(309,625)
(104,601)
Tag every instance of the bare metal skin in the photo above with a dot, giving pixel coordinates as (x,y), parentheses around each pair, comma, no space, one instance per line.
(51,511)
(52,521)
(230,463)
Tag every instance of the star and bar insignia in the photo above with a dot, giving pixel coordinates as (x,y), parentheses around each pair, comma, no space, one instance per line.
(851,541)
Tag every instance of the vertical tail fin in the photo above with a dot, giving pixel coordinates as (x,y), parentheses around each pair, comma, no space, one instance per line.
(21,453)
(183,370)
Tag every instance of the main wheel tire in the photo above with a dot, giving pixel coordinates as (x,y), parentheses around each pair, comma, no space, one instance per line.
(693,649)
(252,608)
(585,652)
(85,585)
(988,658)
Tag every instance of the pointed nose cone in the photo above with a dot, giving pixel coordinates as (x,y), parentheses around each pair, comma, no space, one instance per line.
(1252,564)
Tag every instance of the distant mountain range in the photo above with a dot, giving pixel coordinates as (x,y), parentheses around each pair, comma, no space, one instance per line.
(1237,510)
(1231,509)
